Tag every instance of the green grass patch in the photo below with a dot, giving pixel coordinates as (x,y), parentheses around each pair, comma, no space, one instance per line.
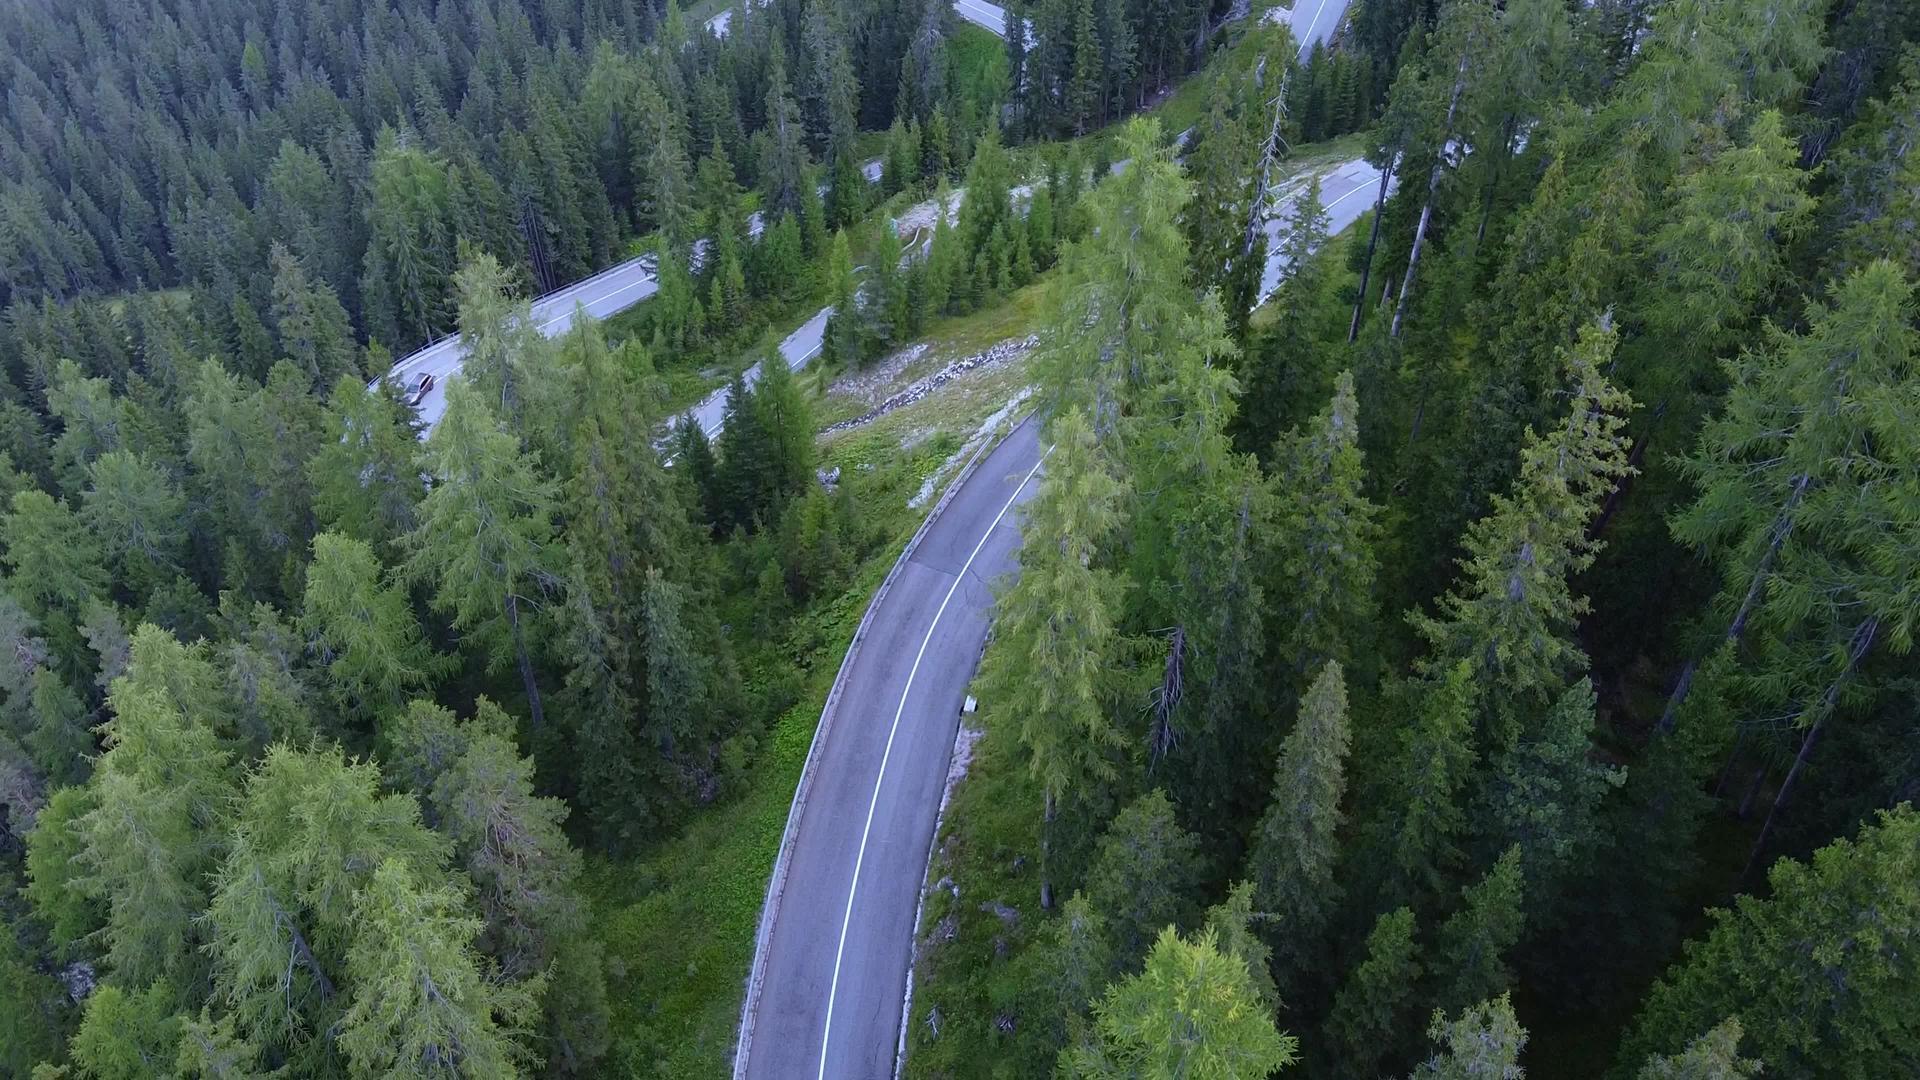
(968,972)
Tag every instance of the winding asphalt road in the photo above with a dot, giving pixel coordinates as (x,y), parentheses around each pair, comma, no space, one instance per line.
(831,966)
(826,993)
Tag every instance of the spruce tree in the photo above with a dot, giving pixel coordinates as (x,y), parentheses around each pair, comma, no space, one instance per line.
(1294,847)
(1470,958)
(1413,839)
(365,482)
(1511,615)
(1365,1023)
(312,326)
(1813,972)
(510,843)
(135,512)
(306,837)
(154,834)
(1324,531)
(1143,873)
(1286,368)
(423,999)
(1713,1056)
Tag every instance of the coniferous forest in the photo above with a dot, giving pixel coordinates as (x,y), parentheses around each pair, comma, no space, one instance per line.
(1490,650)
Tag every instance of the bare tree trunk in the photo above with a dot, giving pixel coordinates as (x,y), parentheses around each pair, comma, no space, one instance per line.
(1270,152)
(1373,241)
(1433,185)
(1634,457)
(534,710)
(1493,181)
(1046,853)
(1782,527)
(1863,636)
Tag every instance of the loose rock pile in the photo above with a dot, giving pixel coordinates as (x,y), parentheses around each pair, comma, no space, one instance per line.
(996,354)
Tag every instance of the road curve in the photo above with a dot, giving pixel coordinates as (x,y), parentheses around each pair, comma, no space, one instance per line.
(1346,192)
(607,293)
(830,969)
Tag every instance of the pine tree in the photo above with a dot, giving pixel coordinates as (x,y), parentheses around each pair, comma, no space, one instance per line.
(742,481)
(783,153)
(780,403)
(485,538)
(61,741)
(510,843)
(943,257)
(1287,367)
(626,526)
(1191,1013)
(662,174)
(1221,163)
(409,262)
(1482,1043)
(306,838)
(53,558)
(365,482)
(1294,848)
(988,203)
(152,837)
(1055,639)
(1231,922)
(506,357)
(363,629)
(126,1034)
(1722,250)
(1796,477)
(1543,797)
(1069,967)
(1713,1056)
(1364,1026)
(1470,959)
(132,508)
(1123,305)
(1813,972)
(423,1003)
(887,313)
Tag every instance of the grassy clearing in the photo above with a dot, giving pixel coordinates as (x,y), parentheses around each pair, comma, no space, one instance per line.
(678,923)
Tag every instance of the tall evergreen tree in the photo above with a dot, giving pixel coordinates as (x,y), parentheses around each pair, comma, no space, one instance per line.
(1482,1043)
(1142,876)
(1056,636)
(423,1002)
(1294,846)
(1470,959)
(1324,531)
(363,628)
(1812,972)
(485,539)
(1511,616)
(1192,1013)
(1365,1023)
